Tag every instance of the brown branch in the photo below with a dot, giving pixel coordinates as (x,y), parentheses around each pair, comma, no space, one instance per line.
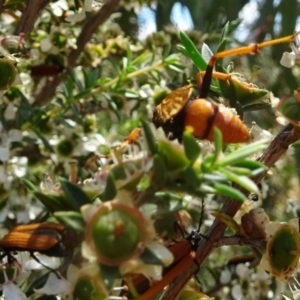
(45,94)
(287,136)
(32,11)
(1,6)
(239,241)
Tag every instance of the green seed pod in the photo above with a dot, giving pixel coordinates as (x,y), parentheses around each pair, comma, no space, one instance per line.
(289,108)
(65,147)
(283,249)
(116,233)
(89,289)
(8,73)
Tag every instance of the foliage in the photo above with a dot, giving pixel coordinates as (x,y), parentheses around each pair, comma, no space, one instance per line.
(78,147)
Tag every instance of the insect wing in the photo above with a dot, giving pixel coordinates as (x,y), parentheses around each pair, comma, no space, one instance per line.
(39,227)
(23,241)
(171,105)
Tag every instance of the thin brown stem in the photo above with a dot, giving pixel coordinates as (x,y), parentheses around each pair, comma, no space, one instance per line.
(32,11)
(239,241)
(287,136)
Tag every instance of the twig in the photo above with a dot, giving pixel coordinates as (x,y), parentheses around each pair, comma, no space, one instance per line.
(1,6)
(287,136)
(45,94)
(32,11)
(239,241)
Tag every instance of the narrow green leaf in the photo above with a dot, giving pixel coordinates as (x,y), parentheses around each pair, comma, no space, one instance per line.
(159,172)
(128,53)
(71,219)
(191,147)
(149,137)
(229,191)
(109,275)
(224,33)
(110,190)
(191,178)
(53,203)
(75,194)
(30,185)
(250,164)
(241,154)
(192,52)
(240,171)
(243,181)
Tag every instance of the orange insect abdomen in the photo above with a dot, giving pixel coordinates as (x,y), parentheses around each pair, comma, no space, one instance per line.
(203,116)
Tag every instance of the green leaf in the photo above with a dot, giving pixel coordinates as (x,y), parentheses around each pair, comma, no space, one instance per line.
(71,219)
(149,138)
(192,52)
(243,181)
(229,191)
(191,146)
(191,178)
(110,190)
(30,185)
(75,194)
(173,155)
(109,275)
(224,34)
(53,203)
(241,154)
(159,172)
(250,164)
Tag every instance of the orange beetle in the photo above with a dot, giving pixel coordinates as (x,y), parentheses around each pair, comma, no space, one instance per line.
(178,111)
(41,237)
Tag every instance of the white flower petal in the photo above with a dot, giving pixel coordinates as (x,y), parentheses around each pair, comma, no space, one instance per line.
(76,17)
(242,271)
(55,286)
(88,211)
(237,292)
(136,266)
(161,252)
(52,262)
(225,276)
(73,274)
(288,59)
(88,4)
(10,111)
(4,153)
(12,292)
(46,45)
(14,135)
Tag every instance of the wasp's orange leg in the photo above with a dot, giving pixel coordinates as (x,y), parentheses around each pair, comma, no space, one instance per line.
(238,51)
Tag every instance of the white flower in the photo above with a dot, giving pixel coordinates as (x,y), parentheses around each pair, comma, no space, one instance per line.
(13,292)
(46,44)
(237,292)
(10,111)
(88,6)
(258,133)
(55,286)
(294,286)
(242,271)
(225,276)
(289,59)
